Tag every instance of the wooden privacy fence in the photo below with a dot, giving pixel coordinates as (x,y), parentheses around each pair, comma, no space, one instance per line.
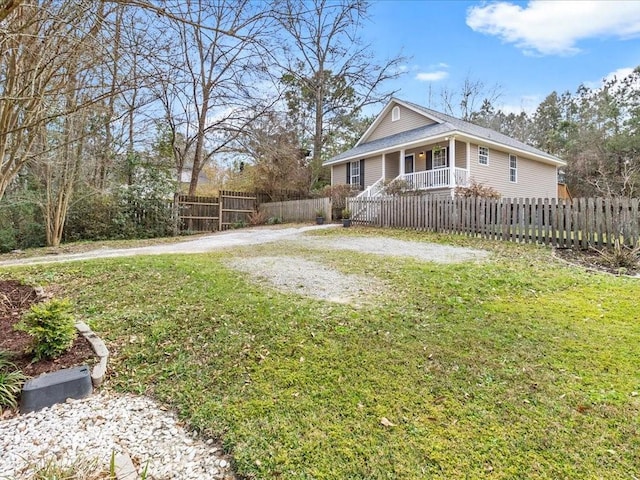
(208,214)
(298,210)
(574,223)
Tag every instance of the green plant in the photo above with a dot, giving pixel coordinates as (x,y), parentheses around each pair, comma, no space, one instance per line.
(320,212)
(11,381)
(51,325)
(239,224)
(274,220)
(80,469)
(346,213)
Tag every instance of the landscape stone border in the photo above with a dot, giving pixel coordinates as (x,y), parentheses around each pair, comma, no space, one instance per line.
(101,351)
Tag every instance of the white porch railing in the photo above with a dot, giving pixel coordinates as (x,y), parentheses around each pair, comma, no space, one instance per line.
(372,190)
(434,178)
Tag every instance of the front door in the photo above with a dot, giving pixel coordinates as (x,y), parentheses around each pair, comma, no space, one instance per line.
(409,164)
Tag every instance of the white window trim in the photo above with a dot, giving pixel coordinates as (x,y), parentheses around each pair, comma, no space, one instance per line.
(486,156)
(351,175)
(395,114)
(433,158)
(513,169)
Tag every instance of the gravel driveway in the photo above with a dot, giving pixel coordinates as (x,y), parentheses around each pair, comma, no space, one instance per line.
(209,243)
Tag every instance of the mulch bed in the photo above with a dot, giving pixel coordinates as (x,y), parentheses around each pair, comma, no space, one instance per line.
(594,260)
(15,300)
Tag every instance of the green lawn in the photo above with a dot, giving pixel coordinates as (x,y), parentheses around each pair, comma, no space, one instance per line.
(518,367)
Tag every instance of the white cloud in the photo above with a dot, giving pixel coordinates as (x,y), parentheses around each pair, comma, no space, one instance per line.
(432,76)
(554,28)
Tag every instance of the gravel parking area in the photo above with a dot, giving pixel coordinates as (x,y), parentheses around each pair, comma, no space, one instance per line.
(308,278)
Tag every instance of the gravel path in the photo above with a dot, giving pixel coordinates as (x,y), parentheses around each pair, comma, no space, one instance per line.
(96,426)
(308,278)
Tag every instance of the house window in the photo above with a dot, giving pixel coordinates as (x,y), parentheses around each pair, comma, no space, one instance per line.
(483,155)
(395,114)
(355,173)
(513,168)
(439,157)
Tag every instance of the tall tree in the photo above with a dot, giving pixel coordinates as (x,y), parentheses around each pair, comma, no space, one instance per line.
(330,74)
(39,40)
(209,93)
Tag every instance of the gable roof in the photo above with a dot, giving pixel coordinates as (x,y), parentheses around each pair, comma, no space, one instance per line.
(445,125)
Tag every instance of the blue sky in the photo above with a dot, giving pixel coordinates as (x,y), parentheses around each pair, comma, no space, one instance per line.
(529,48)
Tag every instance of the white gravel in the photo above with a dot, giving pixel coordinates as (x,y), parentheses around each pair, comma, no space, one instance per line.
(96,426)
(427,252)
(308,278)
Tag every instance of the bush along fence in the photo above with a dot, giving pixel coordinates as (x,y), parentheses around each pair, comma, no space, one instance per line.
(298,210)
(562,223)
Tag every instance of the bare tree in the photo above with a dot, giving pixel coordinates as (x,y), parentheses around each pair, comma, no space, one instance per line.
(330,74)
(467,100)
(37,46)
(210,92)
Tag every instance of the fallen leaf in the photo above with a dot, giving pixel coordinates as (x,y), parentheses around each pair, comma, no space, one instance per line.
(386,422)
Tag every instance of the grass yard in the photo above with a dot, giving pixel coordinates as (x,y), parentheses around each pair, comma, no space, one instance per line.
(517,367)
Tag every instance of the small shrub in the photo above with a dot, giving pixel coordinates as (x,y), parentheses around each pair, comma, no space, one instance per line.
(477,190)
(257,218)
(51,325)
(338,194)
(320,213)
(620,257)
(274,221)
(11,381)
(346,213)
(396,187)
(238,224)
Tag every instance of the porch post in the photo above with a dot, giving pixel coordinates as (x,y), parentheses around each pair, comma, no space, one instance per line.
(384,166)
(468,158)
(402,162)
(468,163)
(452,162)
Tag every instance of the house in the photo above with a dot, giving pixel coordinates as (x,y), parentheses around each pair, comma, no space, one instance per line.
(435,152)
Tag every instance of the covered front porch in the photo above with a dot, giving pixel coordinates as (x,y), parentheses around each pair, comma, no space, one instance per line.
(437,165)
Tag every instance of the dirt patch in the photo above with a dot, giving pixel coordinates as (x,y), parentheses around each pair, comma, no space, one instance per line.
(428,252)
(308,278)
(15,300)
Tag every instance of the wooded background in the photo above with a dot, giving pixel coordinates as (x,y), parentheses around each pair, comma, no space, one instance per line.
(108,107)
